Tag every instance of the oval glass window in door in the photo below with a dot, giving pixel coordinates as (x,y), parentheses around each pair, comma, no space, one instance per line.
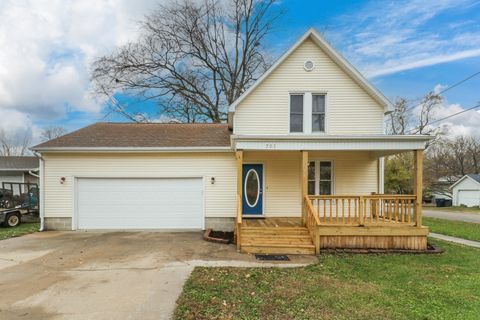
(252,188)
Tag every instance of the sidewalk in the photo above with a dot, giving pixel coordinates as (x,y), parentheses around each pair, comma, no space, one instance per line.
(465,242)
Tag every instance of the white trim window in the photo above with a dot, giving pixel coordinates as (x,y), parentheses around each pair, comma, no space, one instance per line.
(320,177)
(296,113)
(318,113)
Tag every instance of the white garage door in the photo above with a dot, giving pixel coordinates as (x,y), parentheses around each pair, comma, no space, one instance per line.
(469,198)
(140,203)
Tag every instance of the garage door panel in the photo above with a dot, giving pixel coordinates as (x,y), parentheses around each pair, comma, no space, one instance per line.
(140,203)
(469,198)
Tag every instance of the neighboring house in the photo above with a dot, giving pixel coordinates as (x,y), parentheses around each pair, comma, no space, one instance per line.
(466,191)
(292,172)
(18,169)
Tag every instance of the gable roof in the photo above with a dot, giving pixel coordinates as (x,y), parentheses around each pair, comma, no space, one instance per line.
(121,136)
(472,176)
(21,163)
(335,56)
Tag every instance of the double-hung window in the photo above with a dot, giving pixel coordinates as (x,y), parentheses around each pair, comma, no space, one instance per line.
(320,177)
(296,113)
(307,113)
(318,113)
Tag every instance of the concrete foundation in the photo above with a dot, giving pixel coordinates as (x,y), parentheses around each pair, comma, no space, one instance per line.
(58,223)
(220,224)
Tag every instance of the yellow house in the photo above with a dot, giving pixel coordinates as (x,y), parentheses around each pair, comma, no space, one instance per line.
(298,167)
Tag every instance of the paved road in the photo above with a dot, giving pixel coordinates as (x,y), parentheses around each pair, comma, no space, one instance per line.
(109,275)
(458,216)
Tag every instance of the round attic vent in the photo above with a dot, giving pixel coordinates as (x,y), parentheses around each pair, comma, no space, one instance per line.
(308,65)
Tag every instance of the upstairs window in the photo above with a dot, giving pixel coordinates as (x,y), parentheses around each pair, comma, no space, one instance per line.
(318,113)
(296,113)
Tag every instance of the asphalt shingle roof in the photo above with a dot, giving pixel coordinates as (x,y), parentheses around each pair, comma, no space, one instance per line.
(23,163)
(475,177)
(143,135)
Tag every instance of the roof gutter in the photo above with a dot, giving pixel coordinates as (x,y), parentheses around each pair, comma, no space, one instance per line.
(134,149)
(333,137)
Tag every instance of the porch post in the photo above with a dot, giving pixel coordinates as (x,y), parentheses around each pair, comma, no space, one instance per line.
(238,224)
(418,185)
(304,171)
(239,157)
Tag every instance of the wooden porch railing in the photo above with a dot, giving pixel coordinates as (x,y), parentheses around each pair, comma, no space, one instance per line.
(238,224)
(365,210)
(312,222)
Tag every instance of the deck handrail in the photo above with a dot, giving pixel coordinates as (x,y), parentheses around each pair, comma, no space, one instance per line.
(239,222)
(312,222)
(361,210)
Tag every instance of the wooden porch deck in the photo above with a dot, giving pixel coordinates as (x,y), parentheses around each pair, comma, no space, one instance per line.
(273,222)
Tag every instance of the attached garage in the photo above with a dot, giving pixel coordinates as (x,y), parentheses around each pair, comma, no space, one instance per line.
(466,191)
(132,203)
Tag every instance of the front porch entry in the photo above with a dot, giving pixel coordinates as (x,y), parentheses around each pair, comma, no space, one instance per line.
(296,222)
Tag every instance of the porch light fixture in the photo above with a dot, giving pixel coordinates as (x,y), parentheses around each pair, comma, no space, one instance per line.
(212,180)
(62,180)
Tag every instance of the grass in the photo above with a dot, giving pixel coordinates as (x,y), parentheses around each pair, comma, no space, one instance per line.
(455,209)
(343,286)
(20,230)
(460,229)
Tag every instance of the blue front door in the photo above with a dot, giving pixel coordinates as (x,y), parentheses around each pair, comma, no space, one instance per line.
(252,202)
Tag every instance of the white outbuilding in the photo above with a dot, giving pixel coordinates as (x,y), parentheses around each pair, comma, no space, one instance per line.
(466,191)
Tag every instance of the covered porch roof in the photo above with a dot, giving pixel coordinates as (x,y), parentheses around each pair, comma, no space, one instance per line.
(379,144)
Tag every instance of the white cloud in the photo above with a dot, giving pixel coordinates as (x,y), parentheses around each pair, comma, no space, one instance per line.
(390,37)
(46,50)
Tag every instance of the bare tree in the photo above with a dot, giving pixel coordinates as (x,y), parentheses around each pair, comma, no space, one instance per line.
(416,120)
(193,58)
(450,159)
(52,132)
(14,145)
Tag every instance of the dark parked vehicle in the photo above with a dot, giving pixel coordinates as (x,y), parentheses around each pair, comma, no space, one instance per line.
(17,200)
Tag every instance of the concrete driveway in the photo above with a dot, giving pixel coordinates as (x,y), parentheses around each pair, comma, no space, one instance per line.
(106,275)
(447,215)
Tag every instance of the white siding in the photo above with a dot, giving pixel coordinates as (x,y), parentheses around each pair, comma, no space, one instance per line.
(219,197)
(466,184)
(354,173)
(350,109)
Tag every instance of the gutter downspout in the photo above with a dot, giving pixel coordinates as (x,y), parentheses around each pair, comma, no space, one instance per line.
(30,172)
(42,191)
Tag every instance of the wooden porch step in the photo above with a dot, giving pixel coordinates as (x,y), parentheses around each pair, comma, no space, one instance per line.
(276,236)
(278,248)
(290,241)
(275,231)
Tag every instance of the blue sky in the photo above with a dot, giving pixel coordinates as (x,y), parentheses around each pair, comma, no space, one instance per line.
(405,48)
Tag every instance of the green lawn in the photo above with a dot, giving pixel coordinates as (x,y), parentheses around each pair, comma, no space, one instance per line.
(455,209)
(22,229)
(465,230)
(342,286)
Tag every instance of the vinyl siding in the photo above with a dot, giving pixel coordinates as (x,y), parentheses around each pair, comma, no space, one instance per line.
(350,109)
(219,197)
(354,173)
(466,184)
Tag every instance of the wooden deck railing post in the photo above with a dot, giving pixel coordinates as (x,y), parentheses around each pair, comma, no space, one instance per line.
(361,218)
(418,186)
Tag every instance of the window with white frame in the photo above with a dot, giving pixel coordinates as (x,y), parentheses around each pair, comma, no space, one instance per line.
(320,177)
(318,113)
(296,113)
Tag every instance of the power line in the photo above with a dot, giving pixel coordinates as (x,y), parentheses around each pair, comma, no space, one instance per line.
(445,90)
(448,117)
